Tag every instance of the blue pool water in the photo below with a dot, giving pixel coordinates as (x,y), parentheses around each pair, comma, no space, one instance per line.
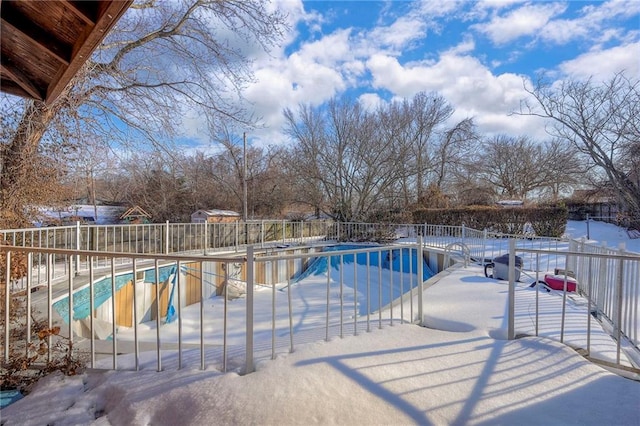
(9,397)
(102,292)
(386,264)
(406,257)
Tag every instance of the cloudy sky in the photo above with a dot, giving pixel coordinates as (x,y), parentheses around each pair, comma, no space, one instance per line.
(476,54)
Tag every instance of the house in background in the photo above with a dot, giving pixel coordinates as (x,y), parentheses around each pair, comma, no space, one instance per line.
(135,215)
(600,203)
(215,216)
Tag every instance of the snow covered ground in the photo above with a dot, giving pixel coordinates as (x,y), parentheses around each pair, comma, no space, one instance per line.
(601,232)
(459,369)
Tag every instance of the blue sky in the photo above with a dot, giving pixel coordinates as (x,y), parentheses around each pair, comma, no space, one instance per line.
(476,54)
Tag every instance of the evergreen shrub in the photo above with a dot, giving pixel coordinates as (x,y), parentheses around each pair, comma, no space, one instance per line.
(545,221)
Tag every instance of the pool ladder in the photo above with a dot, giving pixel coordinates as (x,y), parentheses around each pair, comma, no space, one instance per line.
(463,249)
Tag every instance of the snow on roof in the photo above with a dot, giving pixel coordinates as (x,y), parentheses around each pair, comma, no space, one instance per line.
(216,212)
(510,202)
(105,214)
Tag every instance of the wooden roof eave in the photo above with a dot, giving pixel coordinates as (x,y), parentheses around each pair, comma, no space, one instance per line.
(85,46)
(48,48)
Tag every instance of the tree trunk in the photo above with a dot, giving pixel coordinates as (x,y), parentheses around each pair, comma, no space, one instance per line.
(18,165)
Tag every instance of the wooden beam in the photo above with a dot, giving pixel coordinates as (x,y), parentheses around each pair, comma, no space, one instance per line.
(81,12)
(18,77)
(42,40)
(10,87)
(86,44)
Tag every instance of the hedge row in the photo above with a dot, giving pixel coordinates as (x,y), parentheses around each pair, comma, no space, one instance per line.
(545,221)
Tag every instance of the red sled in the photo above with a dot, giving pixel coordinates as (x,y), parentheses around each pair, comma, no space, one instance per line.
(556,282)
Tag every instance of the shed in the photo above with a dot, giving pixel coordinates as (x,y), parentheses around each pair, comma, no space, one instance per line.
(215,216)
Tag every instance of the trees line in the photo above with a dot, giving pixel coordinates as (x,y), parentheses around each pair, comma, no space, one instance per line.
(354,164)
(165,65)
(349,164)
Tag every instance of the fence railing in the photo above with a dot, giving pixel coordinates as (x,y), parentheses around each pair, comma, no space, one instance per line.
(608,280)
(107,309)
(612,280)
(64,259)
(166,238)
(213,238)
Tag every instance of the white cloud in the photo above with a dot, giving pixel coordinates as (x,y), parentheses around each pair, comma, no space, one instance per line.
(317,71)
(603,64)
(370,101)
(561,31)
(524,21)
(467,84)
(437,8)
(610,10)
(335,62)
(466,46)
(398,35)
(592,24)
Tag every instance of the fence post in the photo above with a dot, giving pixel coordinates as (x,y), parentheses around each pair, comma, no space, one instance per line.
(7,298)
(419,271)
(206,238)
(284,231)
(166,237)
(77,266)
(262,233)
(511,334)
(572,261)
(249,312)
(619,301)
(601,297)
(484,245)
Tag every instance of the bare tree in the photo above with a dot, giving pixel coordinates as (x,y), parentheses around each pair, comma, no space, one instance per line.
(340,151)
(158,185)
(354,163)
(600,120)
(165,60)
(513,166)
(417,123)
(453,147)
(564,167)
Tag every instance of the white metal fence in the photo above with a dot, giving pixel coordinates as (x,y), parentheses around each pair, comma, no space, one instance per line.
(166,238)
(339,306)
(609,281)
(64,259)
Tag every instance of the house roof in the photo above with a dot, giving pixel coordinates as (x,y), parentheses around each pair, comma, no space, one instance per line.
(510,203)
(44,43)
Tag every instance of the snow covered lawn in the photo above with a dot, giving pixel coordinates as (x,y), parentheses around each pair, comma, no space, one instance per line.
(464,372)
(403,374)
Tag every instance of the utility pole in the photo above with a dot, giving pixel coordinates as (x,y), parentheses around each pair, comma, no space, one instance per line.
(244,177)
